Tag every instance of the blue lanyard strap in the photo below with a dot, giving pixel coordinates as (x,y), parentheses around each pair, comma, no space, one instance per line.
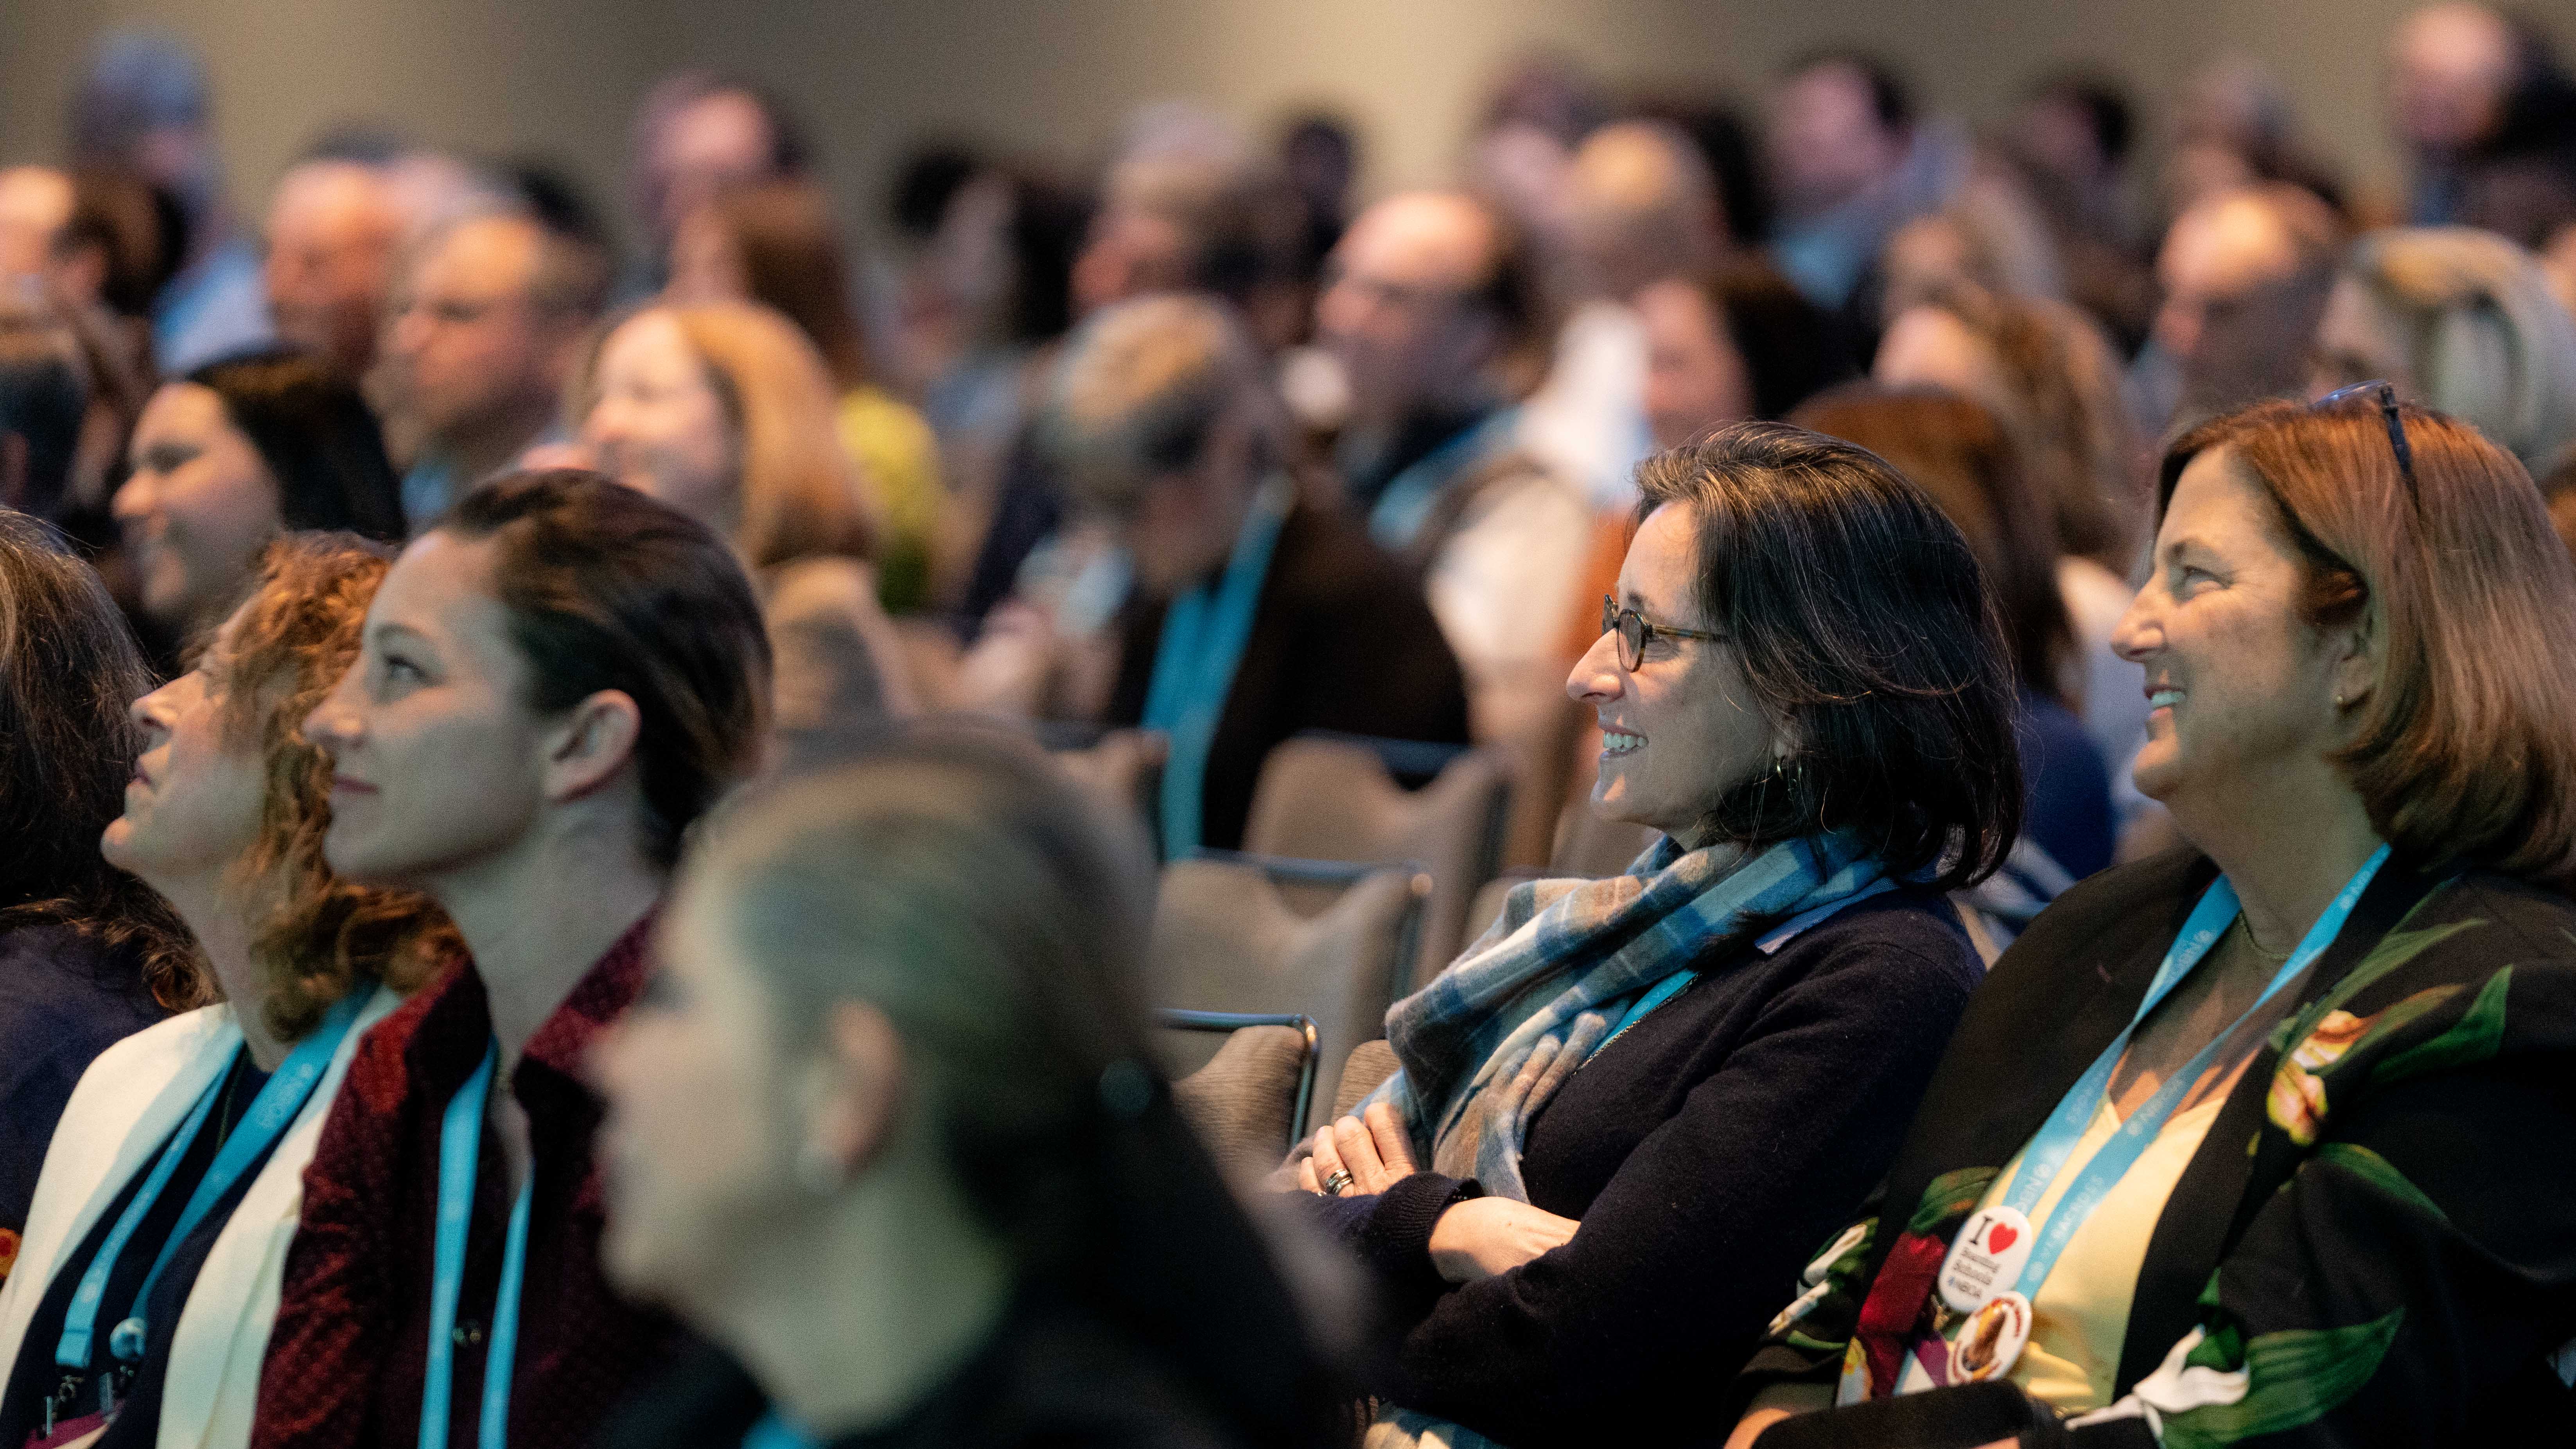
(1405,504)
(270,1114)
(460,1148)
(1195,661)
(2055,1143)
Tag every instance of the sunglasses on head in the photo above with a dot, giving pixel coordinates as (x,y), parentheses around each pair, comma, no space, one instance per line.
(2384,393)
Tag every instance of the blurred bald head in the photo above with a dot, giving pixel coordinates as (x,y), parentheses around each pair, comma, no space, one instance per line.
(1644,206)
(35,206)
(334,228)
(1422,301)
(2450,69)
(2246,274)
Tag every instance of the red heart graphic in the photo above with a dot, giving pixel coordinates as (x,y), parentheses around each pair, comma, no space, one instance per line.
(2000,1237)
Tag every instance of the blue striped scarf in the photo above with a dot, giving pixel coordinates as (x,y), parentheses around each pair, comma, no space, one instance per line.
(1487,1043)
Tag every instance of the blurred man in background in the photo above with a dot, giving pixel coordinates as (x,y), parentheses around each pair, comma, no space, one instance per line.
(2246,275)
(2451,70)
(697,134)
(488,322)
(143,107)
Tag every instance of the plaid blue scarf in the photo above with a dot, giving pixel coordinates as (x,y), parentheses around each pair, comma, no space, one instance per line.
(1488,1042)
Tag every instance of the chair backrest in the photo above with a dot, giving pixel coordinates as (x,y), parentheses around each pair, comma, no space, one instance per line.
(1226,939)
(1335,799)
(1369,1065)
(1250,1102)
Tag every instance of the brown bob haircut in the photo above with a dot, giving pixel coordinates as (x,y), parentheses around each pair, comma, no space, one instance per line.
(1861,618)
(800,496)
(323,936)
(2463,752)
(609,589)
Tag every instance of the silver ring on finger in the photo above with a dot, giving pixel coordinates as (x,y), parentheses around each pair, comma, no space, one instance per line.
(1336,1180)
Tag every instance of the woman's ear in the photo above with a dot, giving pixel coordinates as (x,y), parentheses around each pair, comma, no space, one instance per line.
(591,743)
(854,1095)
(2354,659)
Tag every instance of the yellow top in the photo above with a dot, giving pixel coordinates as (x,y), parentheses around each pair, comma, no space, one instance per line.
(2080,1318)
(894,446)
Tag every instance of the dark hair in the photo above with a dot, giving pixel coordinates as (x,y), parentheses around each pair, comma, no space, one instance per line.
(609,589)
(956,881)
(1734,155)
(1889,97)
(137,230)
(2105,104)
(925,182)
(1792,349)
(44,398)
(1960,453)
(69,670)
(1861,619)
(317,437)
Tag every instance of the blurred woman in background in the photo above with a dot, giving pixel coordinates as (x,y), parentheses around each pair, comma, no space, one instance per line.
(1738,342)
(88,954)
(225,818)
(1960,453)
(775,244)
(724,411)
(227,458)
(884,1128)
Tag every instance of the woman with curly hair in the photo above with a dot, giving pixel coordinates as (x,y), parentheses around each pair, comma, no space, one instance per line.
(156,1242)
(88,954)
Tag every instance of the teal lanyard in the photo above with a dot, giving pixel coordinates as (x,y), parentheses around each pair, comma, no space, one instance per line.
(2048,1152)
(774,1432)
(1403,507)
(1195,660)
(460,1148)
(266,1121)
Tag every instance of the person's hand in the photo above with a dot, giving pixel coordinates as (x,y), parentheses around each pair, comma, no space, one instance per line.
(1374,1152)
(1487,1235)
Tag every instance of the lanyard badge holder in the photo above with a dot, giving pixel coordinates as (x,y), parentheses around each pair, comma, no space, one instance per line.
(270,1114)
(1999,1259)
(460,1146)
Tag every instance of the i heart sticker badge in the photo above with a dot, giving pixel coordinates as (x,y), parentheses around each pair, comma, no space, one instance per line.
(1986,1258)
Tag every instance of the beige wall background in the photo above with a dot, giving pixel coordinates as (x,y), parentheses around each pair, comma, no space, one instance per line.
(557,77)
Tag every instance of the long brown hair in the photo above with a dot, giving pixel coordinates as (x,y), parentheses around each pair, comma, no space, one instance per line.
(1958,451)
(323,935)
(69,671)
(2463,750)
(801,495)
(791,257)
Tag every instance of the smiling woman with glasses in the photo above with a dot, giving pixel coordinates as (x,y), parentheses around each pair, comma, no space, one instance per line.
(1628,1113)
(2267,1138)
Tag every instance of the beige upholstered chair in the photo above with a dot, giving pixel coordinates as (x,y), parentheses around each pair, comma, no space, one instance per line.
(1370,1063)
(1250,1103)
(1331,799)
(1227,939)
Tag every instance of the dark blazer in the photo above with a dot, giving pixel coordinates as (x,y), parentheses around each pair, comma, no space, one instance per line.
(2376,1242)
(1706,1150)
(64,998)
(1342,640)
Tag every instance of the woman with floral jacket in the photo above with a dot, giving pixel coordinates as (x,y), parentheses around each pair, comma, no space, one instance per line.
(2269,1140)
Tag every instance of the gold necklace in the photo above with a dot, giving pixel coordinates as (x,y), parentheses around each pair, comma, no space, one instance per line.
(2275,957)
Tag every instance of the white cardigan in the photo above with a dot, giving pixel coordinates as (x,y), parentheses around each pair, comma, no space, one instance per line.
(126,1105)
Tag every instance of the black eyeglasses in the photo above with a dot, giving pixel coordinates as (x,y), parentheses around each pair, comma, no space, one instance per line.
(2385,394)
(1634,631)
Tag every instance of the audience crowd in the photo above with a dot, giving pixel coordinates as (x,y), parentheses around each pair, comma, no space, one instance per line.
(587,838)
